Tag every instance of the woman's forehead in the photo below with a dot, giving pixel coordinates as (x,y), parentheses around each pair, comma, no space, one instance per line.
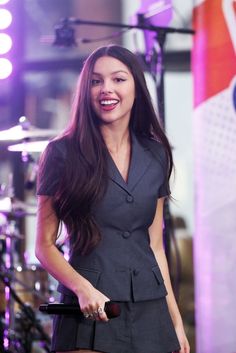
(109,64)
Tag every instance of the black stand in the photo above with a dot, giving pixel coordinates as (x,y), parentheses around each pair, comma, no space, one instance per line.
(76,21)
(30,322)
(65,34)
(160,87)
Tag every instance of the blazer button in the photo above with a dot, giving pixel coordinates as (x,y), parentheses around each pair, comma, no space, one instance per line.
(129,198)
(126,234)
(135,272)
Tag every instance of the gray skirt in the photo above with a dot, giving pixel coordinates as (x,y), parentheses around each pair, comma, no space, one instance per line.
(142,327)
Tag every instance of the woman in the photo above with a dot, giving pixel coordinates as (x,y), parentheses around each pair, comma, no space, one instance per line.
(106,179)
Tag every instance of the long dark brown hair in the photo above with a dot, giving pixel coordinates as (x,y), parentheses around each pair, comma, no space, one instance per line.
(84,176)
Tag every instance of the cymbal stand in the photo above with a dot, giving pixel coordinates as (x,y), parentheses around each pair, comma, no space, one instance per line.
(11,233)
(9,267)
(30,316)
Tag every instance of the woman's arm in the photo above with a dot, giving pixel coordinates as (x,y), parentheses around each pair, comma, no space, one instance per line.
(157,245)
(53,261)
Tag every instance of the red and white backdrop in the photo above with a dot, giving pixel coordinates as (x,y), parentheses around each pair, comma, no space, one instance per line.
(214,68)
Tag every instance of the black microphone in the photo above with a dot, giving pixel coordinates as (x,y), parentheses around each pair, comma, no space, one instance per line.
(112,309)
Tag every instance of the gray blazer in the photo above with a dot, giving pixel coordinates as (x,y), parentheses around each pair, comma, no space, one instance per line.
(122,266)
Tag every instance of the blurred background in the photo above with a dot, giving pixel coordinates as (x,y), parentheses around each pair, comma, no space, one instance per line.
(190,68)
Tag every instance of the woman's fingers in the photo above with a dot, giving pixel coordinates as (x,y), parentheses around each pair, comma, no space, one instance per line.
(86,315)
(92,304)
(102,314)
(97,314)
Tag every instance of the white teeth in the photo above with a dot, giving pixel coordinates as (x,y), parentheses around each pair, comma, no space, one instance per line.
(108,102)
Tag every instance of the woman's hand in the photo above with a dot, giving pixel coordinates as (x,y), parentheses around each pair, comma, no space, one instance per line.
(183,341)
(92,303)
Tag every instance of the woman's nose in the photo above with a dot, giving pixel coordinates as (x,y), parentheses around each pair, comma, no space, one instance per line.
(107,87)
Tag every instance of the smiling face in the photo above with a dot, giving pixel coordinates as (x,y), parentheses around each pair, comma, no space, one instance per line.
(112,90)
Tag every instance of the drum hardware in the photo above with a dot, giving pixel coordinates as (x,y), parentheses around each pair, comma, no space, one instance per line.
(20,329)
(24,130)
(26,318)
(25,287)
(29,146)
(13,208)
(10,229)
(10,206)
(31,166)
(14,236)
(14,334)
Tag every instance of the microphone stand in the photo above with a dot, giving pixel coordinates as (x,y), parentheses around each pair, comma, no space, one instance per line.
(156,66)
(65,33)
(75,21)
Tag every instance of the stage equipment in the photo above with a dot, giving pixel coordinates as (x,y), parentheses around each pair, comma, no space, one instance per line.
(66,36)
(5,41)
(12,207)
(29,147)
(28,326)
(155,13)
(25,131)
(21,325)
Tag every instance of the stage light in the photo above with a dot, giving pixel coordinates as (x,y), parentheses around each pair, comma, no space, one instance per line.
(5,68)
(5,18)
(5,40)
(5,43)
(3,2)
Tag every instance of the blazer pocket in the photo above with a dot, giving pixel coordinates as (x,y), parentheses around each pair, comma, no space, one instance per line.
(90,274)
(157,274)
(148,284)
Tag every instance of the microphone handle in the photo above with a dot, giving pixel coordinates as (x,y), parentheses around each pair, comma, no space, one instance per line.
(112,309)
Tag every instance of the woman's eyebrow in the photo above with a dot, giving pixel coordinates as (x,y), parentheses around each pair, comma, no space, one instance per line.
(112,73)
(120,71)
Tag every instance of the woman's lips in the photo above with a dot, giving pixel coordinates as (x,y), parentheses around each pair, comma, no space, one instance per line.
(108,104)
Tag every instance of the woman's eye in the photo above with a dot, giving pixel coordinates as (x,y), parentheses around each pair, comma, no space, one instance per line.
(119,79)
(95,82)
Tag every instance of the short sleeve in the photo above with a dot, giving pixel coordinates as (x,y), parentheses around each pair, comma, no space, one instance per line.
(164,189)
(50,168)
(159,153)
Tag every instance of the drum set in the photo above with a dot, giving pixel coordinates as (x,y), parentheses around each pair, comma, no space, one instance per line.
(23,286)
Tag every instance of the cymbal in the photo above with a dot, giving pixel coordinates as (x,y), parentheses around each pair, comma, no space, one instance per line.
(31,146)
(18,132)
(4,236)
(12,207)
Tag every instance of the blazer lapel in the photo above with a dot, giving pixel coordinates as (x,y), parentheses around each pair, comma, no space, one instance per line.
(114,173)
(140,160)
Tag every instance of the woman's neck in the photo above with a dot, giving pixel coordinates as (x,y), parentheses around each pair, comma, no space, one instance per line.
(115,139)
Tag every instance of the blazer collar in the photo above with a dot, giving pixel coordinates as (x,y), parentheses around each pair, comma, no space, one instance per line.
(139,163)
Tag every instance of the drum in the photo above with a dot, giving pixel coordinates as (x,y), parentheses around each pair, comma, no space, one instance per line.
(30,283)
(3,222)
(2,299)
